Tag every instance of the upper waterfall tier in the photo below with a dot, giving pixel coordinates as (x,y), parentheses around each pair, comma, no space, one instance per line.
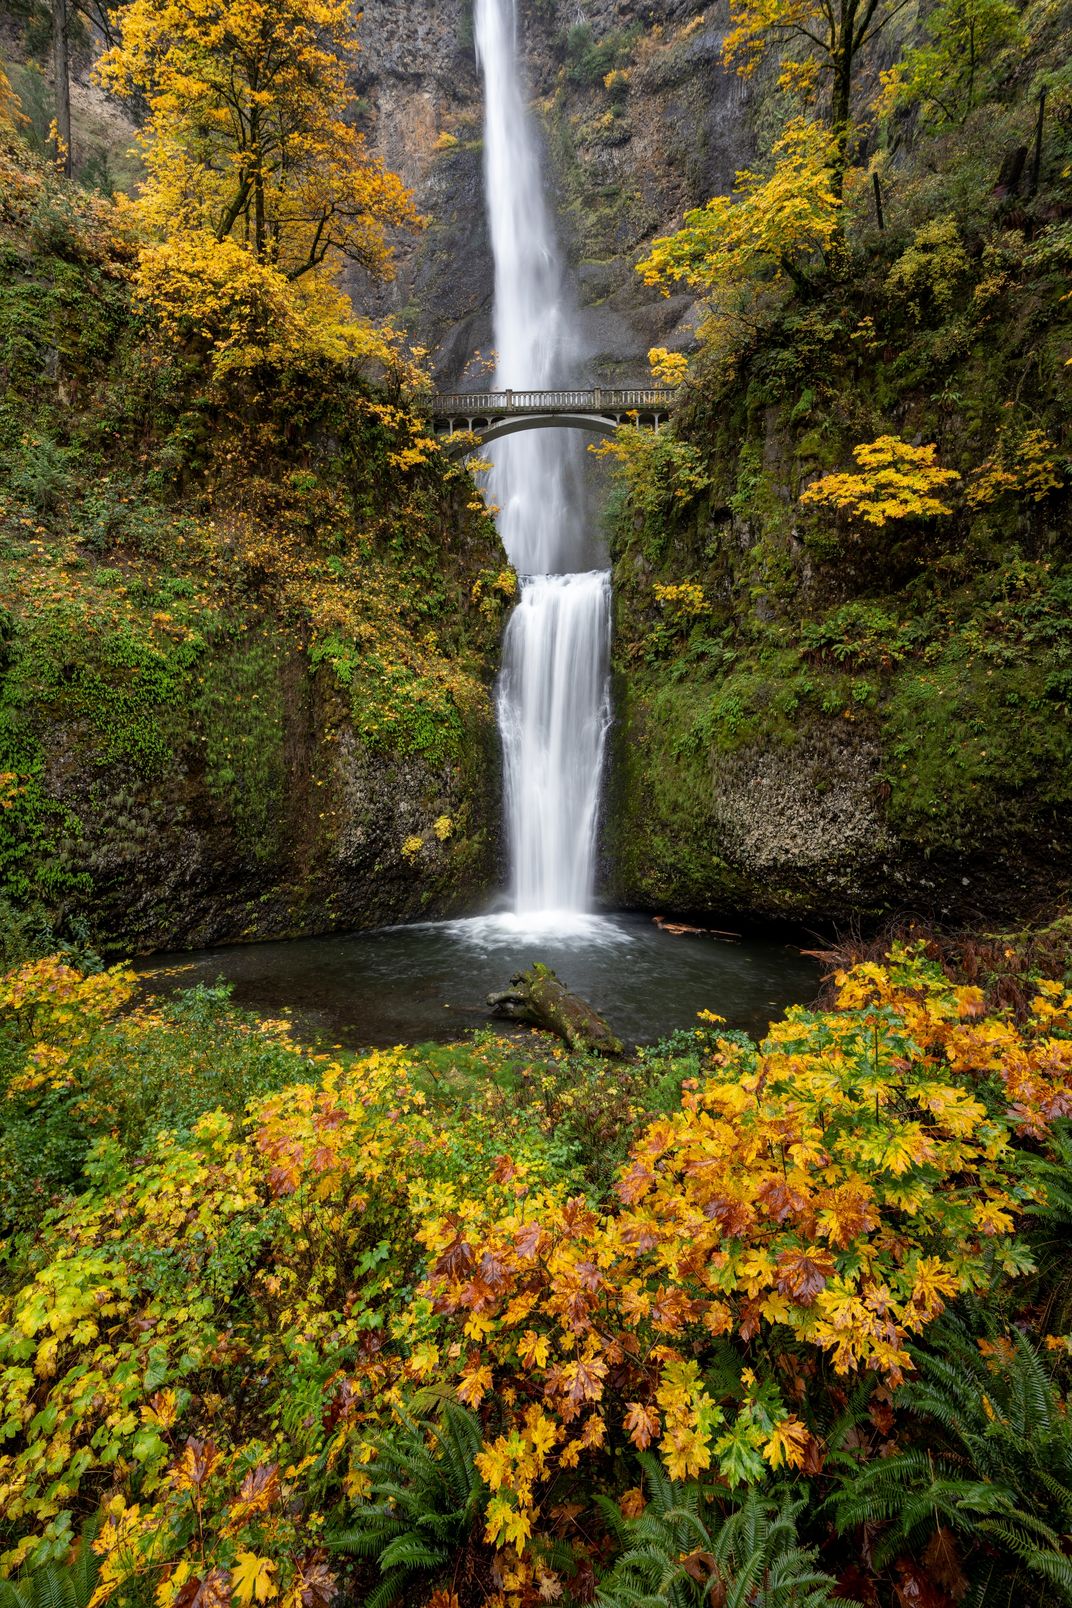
(537,482)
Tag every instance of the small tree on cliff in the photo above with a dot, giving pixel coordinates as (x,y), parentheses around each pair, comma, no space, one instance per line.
(819,44)
(773,224)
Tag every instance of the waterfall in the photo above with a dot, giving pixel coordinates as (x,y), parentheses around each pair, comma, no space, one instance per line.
(553,694)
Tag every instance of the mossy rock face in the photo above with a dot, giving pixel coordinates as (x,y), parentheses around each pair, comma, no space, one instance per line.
(843,721)
(771,828)
(283,824)
(810,827)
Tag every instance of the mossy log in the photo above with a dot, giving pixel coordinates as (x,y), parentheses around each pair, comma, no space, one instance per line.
(538,997)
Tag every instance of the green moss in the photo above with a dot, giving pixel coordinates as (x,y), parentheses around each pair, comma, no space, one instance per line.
(206,594)
(975,755)
(949,642)
(237,717)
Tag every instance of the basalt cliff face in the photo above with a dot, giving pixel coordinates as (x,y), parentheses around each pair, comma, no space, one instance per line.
(248,630)
(640,120)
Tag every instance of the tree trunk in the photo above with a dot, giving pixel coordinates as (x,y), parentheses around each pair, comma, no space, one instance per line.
(62,74)
(841,112)
(538,998)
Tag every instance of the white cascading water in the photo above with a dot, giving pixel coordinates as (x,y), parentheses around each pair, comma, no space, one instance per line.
(554,690)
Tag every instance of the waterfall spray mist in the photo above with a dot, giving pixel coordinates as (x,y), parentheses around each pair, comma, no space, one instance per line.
(553,694)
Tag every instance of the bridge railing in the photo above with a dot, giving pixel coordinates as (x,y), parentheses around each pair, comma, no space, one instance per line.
(597,399)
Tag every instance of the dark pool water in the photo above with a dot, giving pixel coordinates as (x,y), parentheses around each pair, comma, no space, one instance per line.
(429,980)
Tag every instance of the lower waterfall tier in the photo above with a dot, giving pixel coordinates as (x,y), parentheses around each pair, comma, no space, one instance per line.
(554,712)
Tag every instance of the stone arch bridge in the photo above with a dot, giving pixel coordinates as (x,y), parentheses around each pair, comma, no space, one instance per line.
(489,415)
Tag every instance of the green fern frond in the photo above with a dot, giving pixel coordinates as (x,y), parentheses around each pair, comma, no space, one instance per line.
(755,1550)
(426,1494)
(998,1469)
(58,1585)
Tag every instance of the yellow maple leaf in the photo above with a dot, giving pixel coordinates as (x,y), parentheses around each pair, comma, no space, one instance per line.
(506,1525)
(787,1443)
(252,1578)
(533,1349)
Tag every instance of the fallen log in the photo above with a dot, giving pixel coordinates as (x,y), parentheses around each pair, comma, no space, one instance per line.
(679,928)
(538,998)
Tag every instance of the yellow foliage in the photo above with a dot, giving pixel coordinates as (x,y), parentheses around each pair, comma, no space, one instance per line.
(217,294)
(249,154)
(812,44)
(1024,468)
(667,368)
(682,602)
(932,268)
(835,1190)
(252,1579)
(11,113)
(772,224)
(896,481)
(817,1198)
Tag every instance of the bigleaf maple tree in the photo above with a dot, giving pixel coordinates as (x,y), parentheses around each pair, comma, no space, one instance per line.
(247,136)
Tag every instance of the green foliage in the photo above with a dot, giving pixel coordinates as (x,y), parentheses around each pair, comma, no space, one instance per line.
(930,656)
(680,1551)
(589,60)
(930,272)
(191,579)
(133,1078)
(993,1465)
(659,475)
(861,633)
(424,1502)
(58,1585)
(948,75)
(41,475)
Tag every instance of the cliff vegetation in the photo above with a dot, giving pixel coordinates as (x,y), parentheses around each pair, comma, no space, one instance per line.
(250,614)
(843,579)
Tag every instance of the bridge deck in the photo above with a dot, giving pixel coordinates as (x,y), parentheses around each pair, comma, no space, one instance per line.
(598,400)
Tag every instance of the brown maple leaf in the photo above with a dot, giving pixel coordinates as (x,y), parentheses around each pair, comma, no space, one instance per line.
(642,1425)
(456,1261)
(634,1185)
(530,1240)
(699,1566)
(584,1379)
(802,1274)
(942,1558)
(259,1491)
(779,1201)
(199,1459)
(315,1581)
(734,1217)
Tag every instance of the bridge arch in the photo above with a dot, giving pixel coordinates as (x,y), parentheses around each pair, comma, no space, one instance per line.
(495,429)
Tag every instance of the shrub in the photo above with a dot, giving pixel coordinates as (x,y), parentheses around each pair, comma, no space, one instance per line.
(895,481)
